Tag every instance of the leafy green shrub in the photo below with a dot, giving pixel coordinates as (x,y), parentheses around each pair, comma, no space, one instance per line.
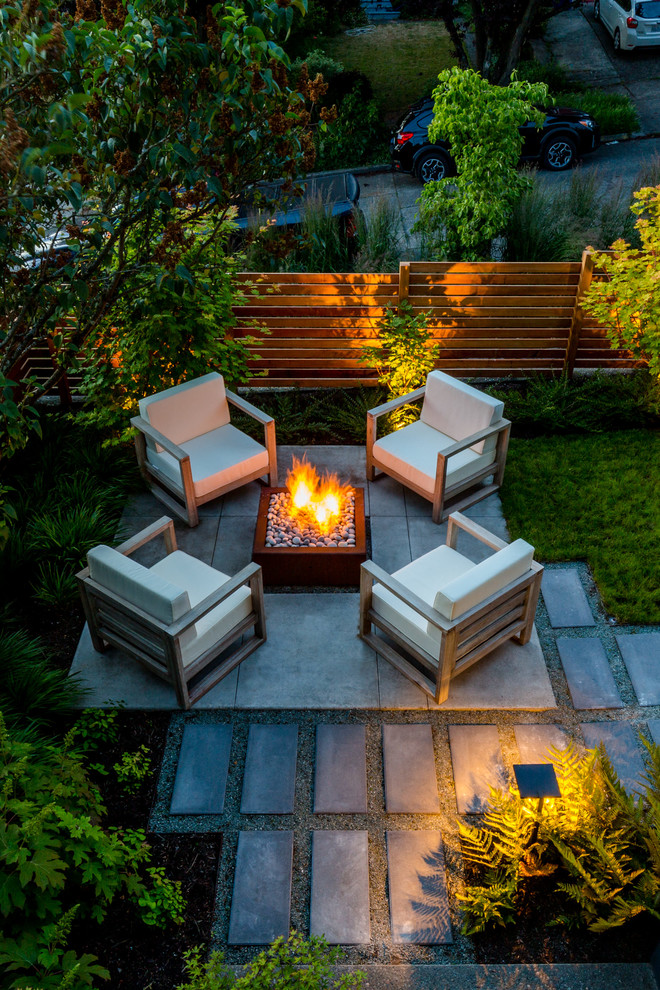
(615,112)
(357,137)
(33,691)
(596,849)
(285,965)
(57,862)
(133,769)
(403,357)
(162,902)
(94,729)
(589,404)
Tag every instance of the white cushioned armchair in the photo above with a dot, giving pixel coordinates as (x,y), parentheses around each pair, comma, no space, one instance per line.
(442,612)
(459,441)
(176,617)
(188,451)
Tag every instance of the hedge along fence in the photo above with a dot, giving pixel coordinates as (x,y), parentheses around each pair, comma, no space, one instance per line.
(491,319)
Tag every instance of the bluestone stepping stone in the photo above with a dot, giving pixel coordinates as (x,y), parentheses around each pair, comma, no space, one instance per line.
(419,906)
(201,773)
(269,781)
(534,742)
(588,673)
(654,729)
(340,887)
(641,655)
(565,599)
(261,901)
(340,781)
(411,785)
(478,765)
(620,740)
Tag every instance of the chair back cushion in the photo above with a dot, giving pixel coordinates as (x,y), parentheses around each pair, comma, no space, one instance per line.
(484,579)
(457,409)
(188,410)
(137,584)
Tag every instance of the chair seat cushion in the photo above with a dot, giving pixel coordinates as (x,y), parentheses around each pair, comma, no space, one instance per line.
(487,578)
(200,580)
(423,577)
(412,454)
(218,459)
(159,595)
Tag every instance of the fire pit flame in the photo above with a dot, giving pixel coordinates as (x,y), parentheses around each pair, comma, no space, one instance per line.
(320,501)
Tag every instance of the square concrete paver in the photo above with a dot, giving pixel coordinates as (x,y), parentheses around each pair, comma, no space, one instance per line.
(478,765)
(261,901)
(312,658)
(201,773)
(641,655)
(411,784)
(588,673)
(534,742)
(565,599)
(339,909)
(269,779)
(419,906)
(340,777)
(621,746)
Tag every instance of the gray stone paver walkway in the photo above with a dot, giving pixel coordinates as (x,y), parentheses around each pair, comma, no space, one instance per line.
(565,599)
(201,779)
(269,781)
(620,741)
(340,775)
(339,908)
(411,785)
(261,905)
(588,673)
(641,655)
(535,742)
(419,905)
(477,762)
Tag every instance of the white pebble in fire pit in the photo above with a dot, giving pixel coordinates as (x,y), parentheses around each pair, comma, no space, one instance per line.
(282,531)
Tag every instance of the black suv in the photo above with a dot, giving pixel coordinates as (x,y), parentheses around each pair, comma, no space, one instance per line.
(565,136)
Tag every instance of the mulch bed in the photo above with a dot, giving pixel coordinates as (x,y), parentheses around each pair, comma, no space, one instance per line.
(140,956)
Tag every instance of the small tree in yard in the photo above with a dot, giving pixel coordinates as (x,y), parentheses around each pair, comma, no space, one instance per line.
(627,303)
(127,132)
(459,216)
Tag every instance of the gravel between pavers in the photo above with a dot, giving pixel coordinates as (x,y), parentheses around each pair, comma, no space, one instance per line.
(303,822)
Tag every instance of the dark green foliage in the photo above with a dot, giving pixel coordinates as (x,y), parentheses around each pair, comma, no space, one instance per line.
(358,136)
(306,416)
(590,404)
(33,692)
(597,848)
(295,963)
(57,862)
(593,498)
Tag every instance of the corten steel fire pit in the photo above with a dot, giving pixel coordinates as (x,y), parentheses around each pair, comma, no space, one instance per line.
(309,565)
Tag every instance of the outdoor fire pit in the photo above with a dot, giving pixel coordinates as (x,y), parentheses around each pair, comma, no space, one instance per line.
(312,532)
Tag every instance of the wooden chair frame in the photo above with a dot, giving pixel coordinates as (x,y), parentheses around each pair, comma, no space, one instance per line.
(157,645)
(442,493)
(509,614)
(181,499)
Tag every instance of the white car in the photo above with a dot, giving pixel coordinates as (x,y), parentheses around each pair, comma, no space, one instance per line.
(632,23)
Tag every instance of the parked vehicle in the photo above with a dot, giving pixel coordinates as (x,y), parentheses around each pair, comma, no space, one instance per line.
(266,204)
(565,136)
(631,24)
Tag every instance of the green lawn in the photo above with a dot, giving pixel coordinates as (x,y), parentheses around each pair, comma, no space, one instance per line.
(402,60)
(593,498)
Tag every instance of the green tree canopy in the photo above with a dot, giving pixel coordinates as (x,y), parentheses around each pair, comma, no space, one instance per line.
(120,132)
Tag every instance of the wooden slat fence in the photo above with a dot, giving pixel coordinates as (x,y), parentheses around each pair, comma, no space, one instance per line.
(490,319)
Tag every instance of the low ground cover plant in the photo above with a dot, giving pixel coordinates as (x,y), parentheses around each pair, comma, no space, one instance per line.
(59,863)
(589,859)
(593,498)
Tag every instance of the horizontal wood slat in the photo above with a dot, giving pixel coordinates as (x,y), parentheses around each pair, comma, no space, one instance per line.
(488,318)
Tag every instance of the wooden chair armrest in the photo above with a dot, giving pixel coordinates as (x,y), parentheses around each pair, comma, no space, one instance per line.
(167,444)
(458,520)
(455,448)
(248,408)
(392,404)
(215,598)
(162,525)
(407,596)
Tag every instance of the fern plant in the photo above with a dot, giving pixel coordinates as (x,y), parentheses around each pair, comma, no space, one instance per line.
(597,846)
